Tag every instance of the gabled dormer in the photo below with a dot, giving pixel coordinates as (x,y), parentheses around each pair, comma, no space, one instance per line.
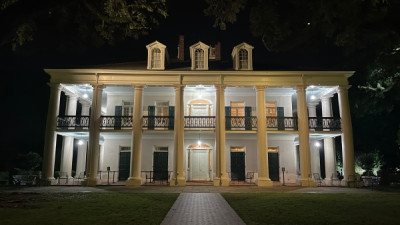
(199,56)
(242,55)
(156,54)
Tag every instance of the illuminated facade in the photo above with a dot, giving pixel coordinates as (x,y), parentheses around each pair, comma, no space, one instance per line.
(184,121)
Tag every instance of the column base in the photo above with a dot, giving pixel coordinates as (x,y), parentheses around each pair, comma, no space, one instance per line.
(133,181)
(90,182)
(263,182)
(308,183)
(225,181)
(180,182)
(217,182)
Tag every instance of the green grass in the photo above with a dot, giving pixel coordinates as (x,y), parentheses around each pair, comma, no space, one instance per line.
(295,208)
(85,208)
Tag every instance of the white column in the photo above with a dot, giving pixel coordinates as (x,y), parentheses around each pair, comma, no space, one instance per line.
(347,133)
(179,129)
(81,158)
(329,143)
(263,171)
(304,139)
(82,149)
(51,135)
(314,151)
(94,137)
(135,178)
(68,141)
(221,178)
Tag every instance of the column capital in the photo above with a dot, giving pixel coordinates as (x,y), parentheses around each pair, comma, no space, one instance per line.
(312,104)
(260,88)
(342,88)
(136,87)
(98,86)
(326,97)
(300,88)
(55,85)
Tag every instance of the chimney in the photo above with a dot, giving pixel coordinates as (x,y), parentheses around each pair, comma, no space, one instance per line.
(181,48)
(218,51)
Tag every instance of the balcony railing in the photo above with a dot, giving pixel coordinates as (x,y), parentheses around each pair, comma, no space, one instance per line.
(199,121)
(73,122)
(282,123)
(240,122)
(116,122)
(153,122)
(324,123)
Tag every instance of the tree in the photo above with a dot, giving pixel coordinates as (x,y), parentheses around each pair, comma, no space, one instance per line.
(77,23)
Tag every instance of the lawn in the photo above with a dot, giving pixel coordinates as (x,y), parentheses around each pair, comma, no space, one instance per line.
(296,208)
(84,208)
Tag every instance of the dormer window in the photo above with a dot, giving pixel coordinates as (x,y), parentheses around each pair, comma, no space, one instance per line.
(156,54)
(199,59)
(199,56)
(242,57)
(156,58)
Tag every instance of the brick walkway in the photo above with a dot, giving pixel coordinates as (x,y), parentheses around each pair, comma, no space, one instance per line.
(201,208)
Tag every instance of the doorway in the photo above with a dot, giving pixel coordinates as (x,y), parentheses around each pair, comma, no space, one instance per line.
(273,165)
(238,166)
(160,165)
(124,165)
(199,163)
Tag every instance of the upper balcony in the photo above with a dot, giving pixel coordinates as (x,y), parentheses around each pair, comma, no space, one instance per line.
(245,123)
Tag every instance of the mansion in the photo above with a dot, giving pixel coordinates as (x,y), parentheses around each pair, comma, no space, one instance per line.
(197,120)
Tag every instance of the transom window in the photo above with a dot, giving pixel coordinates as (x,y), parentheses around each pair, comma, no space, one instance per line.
(156,58)
(127,108)
(237,108)
(270,109)
(199,59)
(243,59)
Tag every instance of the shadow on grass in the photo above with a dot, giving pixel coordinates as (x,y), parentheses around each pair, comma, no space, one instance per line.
(291,208)
(84,208)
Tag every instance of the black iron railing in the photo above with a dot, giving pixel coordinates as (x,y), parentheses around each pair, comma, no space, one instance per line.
(116,122)
(324,123)
(240,122)
(199,121)
(282,123)
(76,122)
(153,122)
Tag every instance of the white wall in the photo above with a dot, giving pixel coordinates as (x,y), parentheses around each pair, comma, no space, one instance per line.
(116,100)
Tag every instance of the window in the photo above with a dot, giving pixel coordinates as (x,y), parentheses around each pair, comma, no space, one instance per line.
(237,108)
(127,108)
(270,109)
(161,148)
(199,59)
(156,58)
(243,59)
(162,108)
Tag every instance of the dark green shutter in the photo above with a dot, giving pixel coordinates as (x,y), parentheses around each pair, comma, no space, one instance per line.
(247,118)
(118,114)
(151,113)
(228,122)
(281,118)
(171,117)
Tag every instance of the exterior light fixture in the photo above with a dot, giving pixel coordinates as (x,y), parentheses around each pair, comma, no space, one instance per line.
(85,95)
(80,142)
(317,144)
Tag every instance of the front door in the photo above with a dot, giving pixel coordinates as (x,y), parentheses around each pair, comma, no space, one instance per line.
(160,165)
(237,166)
(124,165)
(273,166)
(199,164)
